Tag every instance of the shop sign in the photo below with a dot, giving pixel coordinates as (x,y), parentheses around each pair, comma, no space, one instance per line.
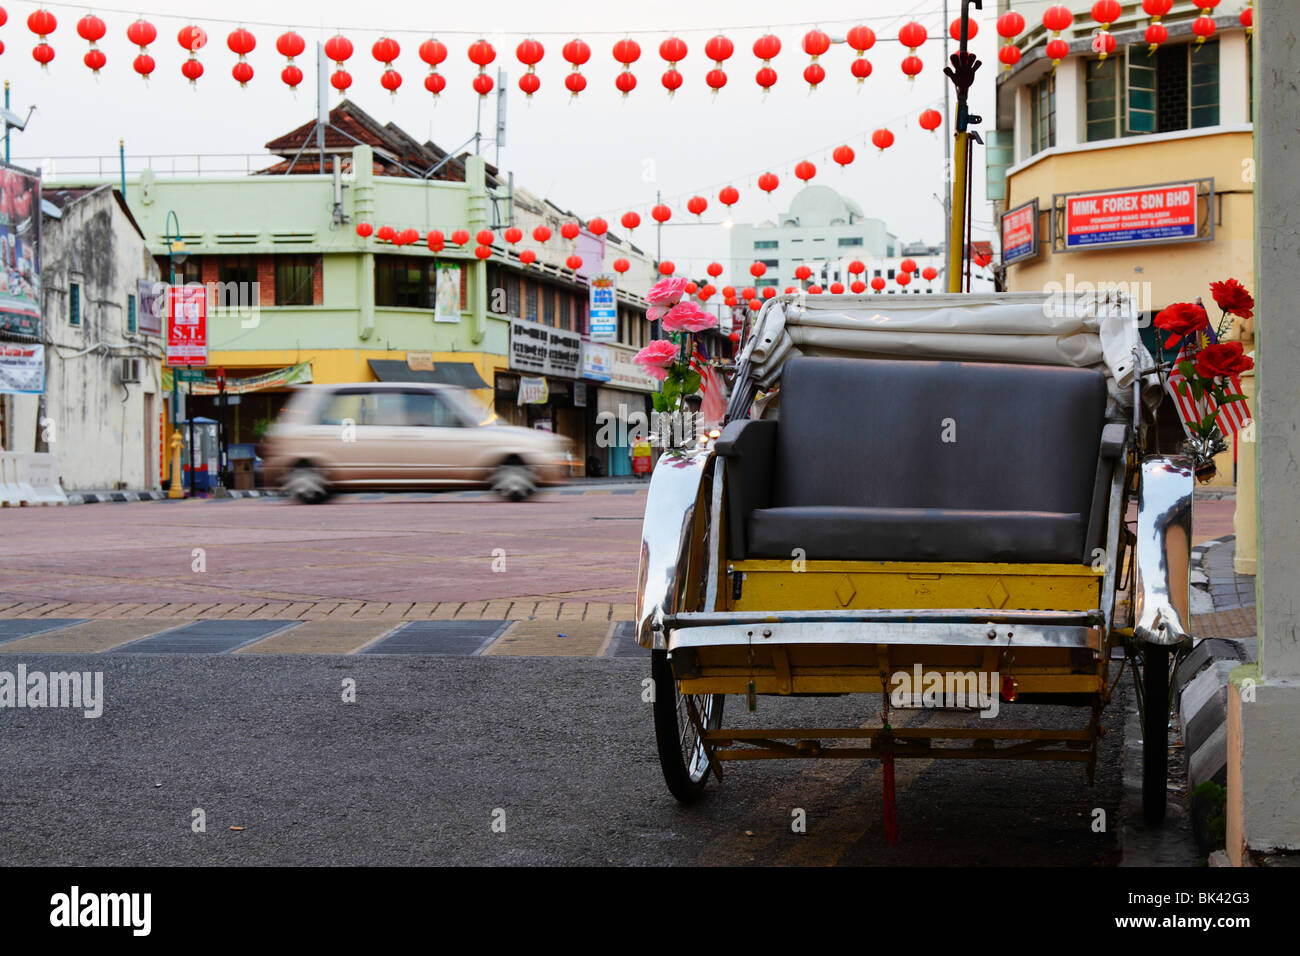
(597,361)
(1143,215)
(22,369)
(603,308)
(544,350)
(532,391)
(1020,233)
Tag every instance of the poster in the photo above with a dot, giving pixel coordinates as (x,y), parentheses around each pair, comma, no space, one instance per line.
(603,308)
(1020,233)
(20,234)
(187,325)
(150,306)
(22,368)
(447,295)
(1145,214)
(544,349)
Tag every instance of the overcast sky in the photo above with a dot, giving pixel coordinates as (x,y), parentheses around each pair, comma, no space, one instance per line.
(596,154)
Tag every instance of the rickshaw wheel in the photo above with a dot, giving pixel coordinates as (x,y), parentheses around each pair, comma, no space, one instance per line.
(1155,732)
(681,752)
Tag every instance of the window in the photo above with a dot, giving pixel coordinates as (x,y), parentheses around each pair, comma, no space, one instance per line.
(400,283)
(770,263)
(891,273)
(237,269)
(130,315)
(1101,86)
(1140,100)
(1203,85)
(513,296)
(74,303)
(766,244)
(1176,88)
(430,410)
(293,280)
(850,240)
(548,307)
(1043,114)
(530,302)
(365,408)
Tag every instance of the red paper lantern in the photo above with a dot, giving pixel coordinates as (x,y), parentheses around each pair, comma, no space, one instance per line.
(861,38)
(730,300)
(530,53)
(734,336)
(433,52)
(290,45)
(570,230)
(667,267)
(814,74)
(757,269)
(837,288)
(528,257)
(481,53)
(768,182)
(43,53)
(192,69)
(907,265)
(542,233)
(1011,25)
(749,292)
(929,273)
(766,78)
(842,155)
(954,29)
(805,170)
(1248,19)
(1156,9)
(691,288)
(141,33)
(143,64)
(1009,55)
(719,49)
(714,269)
(696,205)
(191,38)
(598,227)
(931,120)
(390,80)
(1057,18)
(338,48)
(672,81)
(706,292)
(435,240)
(1203,27)
(482,84)
(903,278)
(630,220)
(385,233)
(483,252)
(1104,44)
(530,84)
(882,139)
(621,266)
(716,79)
(911,66)
(673,50)
(912,35)
(340,80)
(627,51)
(857,267)
(291,76)
(512,234)
(242,72)
(755,304)
(95,59)
(1057,50)
(241,42)
(485,237)
(661,213)
(575,83)
(729,291)
(766,47)
(728,196)
(91,29)
(625,82)
(1106,12)
(435,82)
(802,273)
(858,286)
(861,68)
(1155,35)
(42,23)
(364,230)
(815,43)
(460,237)
(768,292)
(577,52)
(814,290)
(877,283)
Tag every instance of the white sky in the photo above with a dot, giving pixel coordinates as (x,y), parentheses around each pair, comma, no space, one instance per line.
(596,155)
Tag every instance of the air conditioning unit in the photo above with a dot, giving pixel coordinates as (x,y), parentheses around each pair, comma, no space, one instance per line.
(130,371)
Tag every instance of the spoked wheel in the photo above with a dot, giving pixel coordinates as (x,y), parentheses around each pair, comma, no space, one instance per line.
(1155,732)
(306,485)
(682,754)
(514,481)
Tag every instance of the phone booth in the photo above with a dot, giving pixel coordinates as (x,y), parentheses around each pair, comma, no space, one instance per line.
(202,459)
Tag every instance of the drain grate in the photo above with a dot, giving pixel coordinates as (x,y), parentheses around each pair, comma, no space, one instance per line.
(15,629)
(440,638)
(623,643)
(204,637)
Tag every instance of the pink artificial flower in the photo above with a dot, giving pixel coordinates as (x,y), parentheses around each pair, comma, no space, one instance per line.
(660,353)
(656,312)
(655,372)
(688,317)
(667,291)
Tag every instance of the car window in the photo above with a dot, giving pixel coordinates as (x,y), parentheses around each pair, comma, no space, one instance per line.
(430,410)
(364,408)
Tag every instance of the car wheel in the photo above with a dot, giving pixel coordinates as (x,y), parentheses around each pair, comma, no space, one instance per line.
(306,485)
(514,481)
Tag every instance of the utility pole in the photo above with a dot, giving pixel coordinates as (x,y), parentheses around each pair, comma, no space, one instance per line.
(947,146)
(962,73)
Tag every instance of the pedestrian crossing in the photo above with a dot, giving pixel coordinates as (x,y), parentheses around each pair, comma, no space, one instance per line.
(536,637)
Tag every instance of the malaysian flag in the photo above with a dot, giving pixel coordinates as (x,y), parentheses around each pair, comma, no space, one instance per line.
(1231,418)
(712,392)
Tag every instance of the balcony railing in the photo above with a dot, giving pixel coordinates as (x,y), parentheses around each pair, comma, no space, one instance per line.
(54,168)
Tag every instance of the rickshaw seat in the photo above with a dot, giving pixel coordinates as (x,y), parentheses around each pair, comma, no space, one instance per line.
(918,461)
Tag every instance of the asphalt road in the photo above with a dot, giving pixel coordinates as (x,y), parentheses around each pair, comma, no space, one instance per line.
(414,771)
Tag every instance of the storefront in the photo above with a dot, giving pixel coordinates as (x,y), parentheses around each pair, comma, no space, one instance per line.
(621,405)
(542,386)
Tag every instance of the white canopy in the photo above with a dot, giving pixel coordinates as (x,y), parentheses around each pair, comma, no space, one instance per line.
(1089,331)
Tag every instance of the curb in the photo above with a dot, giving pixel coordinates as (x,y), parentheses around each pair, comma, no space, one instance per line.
(103,497)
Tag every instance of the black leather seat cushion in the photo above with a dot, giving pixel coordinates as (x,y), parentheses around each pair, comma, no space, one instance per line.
(889,459)
(915,534)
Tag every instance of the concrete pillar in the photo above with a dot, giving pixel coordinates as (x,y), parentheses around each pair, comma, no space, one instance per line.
(1234,95)
(1069,101)
(1264,700)
(363,209)
(1245,517)
(476,179)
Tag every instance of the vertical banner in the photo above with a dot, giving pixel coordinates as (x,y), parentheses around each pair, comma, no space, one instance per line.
(447,295)
(603,309)
(1020,233)
(20,239)
(187,325)
(22,368)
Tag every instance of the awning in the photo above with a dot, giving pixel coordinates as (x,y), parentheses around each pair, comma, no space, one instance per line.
(463,374)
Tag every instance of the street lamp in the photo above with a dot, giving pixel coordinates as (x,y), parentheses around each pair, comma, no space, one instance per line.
(176,255)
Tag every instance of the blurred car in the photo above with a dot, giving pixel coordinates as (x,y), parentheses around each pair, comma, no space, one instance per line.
(400,435)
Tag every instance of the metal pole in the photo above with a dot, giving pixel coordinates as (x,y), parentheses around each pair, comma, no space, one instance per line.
(6,124)
(947,146)
(189,410)
(962,75)
(659,230)
(121,165)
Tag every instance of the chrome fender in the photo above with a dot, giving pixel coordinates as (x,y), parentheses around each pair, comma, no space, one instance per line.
(674,494)
(1164,551)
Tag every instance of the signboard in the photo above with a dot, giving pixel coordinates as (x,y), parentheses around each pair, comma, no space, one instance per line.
(597,361)
(189,375)
(1143,215)
(419,361)
(22,369)
(187,325)
(150,306)
(1020,233)
(579,394)
(533,391)
(446,306)
(544,350)
(625,373)
(603,310)
(20,240)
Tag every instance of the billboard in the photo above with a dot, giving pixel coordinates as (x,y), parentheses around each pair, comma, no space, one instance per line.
(602,313)
(22,368)
(20,240)
(1141,215)
(187,325)
(1020,233)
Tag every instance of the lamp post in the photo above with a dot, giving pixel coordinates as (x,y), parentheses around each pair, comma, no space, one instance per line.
(176,255)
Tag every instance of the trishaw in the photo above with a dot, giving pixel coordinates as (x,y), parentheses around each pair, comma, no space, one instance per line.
(927,485)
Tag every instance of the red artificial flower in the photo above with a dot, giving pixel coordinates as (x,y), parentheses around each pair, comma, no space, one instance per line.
(1223,359)
(1181,319)
(1233,298)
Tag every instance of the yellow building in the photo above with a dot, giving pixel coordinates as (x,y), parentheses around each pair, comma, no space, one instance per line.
(1132,170)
